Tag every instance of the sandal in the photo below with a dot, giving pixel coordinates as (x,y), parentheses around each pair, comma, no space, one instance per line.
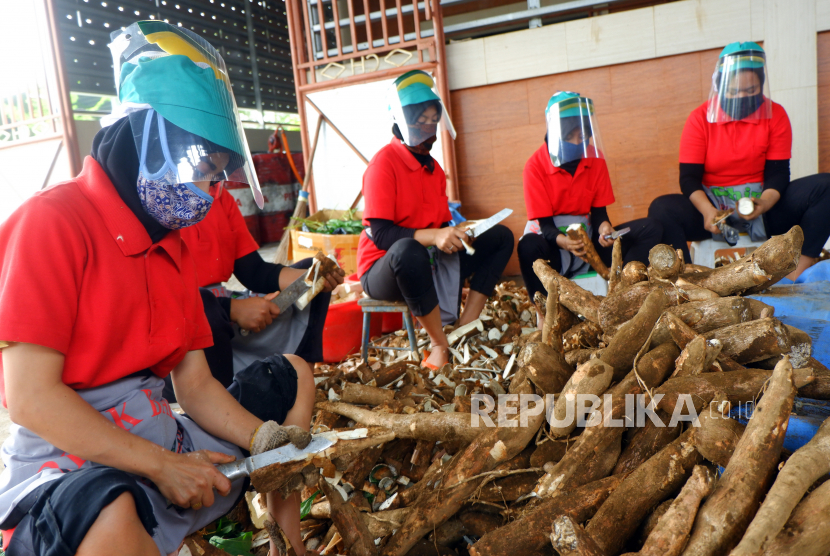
(427,365)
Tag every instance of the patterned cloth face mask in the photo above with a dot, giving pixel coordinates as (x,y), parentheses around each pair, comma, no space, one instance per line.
(173,205)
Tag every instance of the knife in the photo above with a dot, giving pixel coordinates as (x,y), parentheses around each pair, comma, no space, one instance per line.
(284,454)
(482,226)
(287,297)
(618,233)
(292,293)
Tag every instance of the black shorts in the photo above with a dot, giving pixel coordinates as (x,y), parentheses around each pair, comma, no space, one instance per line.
(58,514)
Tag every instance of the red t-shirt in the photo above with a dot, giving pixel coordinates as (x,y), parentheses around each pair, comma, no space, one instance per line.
(396,187)
(552,191)
(734,153)
(79,274)
(218,240)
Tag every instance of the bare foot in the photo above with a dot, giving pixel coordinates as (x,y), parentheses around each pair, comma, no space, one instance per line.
(439,356)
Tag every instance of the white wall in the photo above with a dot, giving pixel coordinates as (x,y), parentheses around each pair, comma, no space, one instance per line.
(787,27)
(359,111)
(24,169)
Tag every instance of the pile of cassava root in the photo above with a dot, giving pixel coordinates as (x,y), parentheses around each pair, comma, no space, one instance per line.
(426,481)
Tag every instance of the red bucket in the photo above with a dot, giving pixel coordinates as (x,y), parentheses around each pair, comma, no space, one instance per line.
(392,322)
(343,330)
(247,206)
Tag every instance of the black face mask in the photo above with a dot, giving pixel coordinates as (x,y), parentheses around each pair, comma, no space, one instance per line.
(741,107)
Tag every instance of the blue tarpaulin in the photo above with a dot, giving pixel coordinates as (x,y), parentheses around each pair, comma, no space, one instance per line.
(804,306)
(803,425)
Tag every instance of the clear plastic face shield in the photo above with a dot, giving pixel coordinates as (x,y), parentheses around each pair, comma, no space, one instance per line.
(417,109)
(174,87)
(740,86)
(572,129)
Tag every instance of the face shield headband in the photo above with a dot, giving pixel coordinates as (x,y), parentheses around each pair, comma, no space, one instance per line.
(184,80)
(740,88)
(572,129)
(417,109)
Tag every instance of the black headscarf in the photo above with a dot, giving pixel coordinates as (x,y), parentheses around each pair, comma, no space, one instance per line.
(114,149)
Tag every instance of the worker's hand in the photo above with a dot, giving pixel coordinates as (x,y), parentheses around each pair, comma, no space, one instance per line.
(761,206)
(575,246)
(334,279)
(449,239)
(709,216)
(188,480)
(605,229)
(254,313)
(270,435)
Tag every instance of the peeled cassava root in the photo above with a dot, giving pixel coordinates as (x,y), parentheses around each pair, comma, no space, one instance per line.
(421,426)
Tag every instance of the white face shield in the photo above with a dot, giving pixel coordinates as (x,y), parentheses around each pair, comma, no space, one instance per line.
(174,87)
(417,109)
(740,88)
(572,129)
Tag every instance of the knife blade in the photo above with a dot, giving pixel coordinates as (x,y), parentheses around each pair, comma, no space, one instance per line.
(488,223)
(284,454)
(287,297)
(618,233)
(292,293)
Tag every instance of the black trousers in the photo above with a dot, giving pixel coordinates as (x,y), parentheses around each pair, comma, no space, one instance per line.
(806,202)
(645,233)
(404,272)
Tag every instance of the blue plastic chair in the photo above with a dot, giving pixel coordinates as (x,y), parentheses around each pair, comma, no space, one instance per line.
(369,306)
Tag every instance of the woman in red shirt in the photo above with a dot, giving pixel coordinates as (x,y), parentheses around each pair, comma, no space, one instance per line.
(409,253)
(738,145)
(566,183)
(99,303)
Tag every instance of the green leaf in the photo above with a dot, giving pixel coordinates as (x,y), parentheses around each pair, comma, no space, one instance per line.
(237,546)
(305,507)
